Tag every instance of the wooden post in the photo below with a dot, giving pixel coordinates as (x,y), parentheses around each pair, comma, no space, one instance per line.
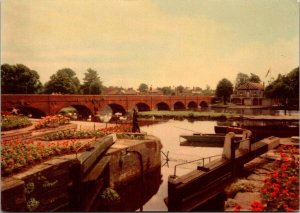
(174,197)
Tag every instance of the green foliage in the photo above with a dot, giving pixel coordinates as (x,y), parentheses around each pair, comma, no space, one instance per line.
(32,204)
(64,81)
(11,122)
(72,134)
(29,187)
(241,78)
(110,194)
(166,90)
(285,87)
(19,79)
(254,78)
(224,89)
(143,88)
(92,83)
(179,89)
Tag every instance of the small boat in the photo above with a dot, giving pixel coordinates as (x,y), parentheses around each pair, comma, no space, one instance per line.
(205,140)
(198,137)
(226,129)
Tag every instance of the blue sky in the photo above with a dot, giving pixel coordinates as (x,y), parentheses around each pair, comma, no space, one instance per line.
(157,42)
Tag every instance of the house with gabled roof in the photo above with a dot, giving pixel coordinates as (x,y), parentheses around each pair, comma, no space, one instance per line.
(249,94)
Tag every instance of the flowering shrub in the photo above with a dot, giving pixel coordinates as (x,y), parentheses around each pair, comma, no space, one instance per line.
(281,188)
(52,121)
(72,134)
(10,122)
(117,129)
(17,154)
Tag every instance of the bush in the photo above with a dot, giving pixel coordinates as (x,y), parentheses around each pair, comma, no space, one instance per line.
(10,122)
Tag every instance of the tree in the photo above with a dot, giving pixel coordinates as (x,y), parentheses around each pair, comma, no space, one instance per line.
(254,78)
(143,88)
(92,83)
(19,79)
(166,90)
(179,89)
(241,78)
(224,89)
(64,81)
(285,88)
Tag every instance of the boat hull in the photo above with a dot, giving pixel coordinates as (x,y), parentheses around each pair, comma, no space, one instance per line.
(203,140)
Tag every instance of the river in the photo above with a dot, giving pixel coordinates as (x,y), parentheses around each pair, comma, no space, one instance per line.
(169,132)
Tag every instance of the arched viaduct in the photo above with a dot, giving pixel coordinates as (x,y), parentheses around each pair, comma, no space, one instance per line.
(41,105)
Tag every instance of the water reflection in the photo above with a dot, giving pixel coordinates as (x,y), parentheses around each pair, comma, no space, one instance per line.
(169,133)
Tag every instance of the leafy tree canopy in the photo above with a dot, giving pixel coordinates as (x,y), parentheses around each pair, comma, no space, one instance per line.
(167,90)
(180,89)
(224,90)
(64,81)
(241,78)
(285,87)
(143,88)
(254,78)
(19,79)
(92,83)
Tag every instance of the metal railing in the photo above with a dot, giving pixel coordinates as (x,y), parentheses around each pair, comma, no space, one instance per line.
(193,161)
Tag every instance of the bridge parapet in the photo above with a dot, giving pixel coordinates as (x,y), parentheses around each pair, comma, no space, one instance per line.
(51,104)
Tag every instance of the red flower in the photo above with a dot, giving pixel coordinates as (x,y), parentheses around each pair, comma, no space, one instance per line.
(237,208)
(264,190)
(257,206)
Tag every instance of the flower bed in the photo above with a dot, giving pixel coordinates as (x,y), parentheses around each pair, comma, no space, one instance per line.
(52,121)
(17,155)
(281,189)
(117,129)
(72,134)
(10,122)
(281,186)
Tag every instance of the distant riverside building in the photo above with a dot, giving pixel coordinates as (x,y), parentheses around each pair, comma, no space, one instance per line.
(250,94)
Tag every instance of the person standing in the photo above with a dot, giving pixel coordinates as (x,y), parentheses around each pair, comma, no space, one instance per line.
(135,123)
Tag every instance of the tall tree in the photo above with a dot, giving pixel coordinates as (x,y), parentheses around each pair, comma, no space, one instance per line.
(224,90)
(63,81)
(241,78)
(285,88)
(254,78)
(19,79)
(92,83)
(143,88)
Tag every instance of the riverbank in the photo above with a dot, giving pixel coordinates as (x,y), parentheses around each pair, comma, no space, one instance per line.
(212,116)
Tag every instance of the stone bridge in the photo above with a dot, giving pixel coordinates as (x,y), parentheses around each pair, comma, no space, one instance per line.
(41,105)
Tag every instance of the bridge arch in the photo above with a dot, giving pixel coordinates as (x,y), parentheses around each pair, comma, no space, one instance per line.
(117,108)
(179,105)
(142,107)
(192,105)
(203,104)
(83,112)
(28,110)
(162,106)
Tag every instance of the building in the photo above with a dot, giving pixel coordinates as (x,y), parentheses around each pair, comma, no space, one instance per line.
(249,94)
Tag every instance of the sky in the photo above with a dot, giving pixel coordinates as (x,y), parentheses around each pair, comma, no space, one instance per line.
(156,42)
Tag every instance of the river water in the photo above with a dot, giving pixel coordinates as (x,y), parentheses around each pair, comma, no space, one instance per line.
(169,133)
